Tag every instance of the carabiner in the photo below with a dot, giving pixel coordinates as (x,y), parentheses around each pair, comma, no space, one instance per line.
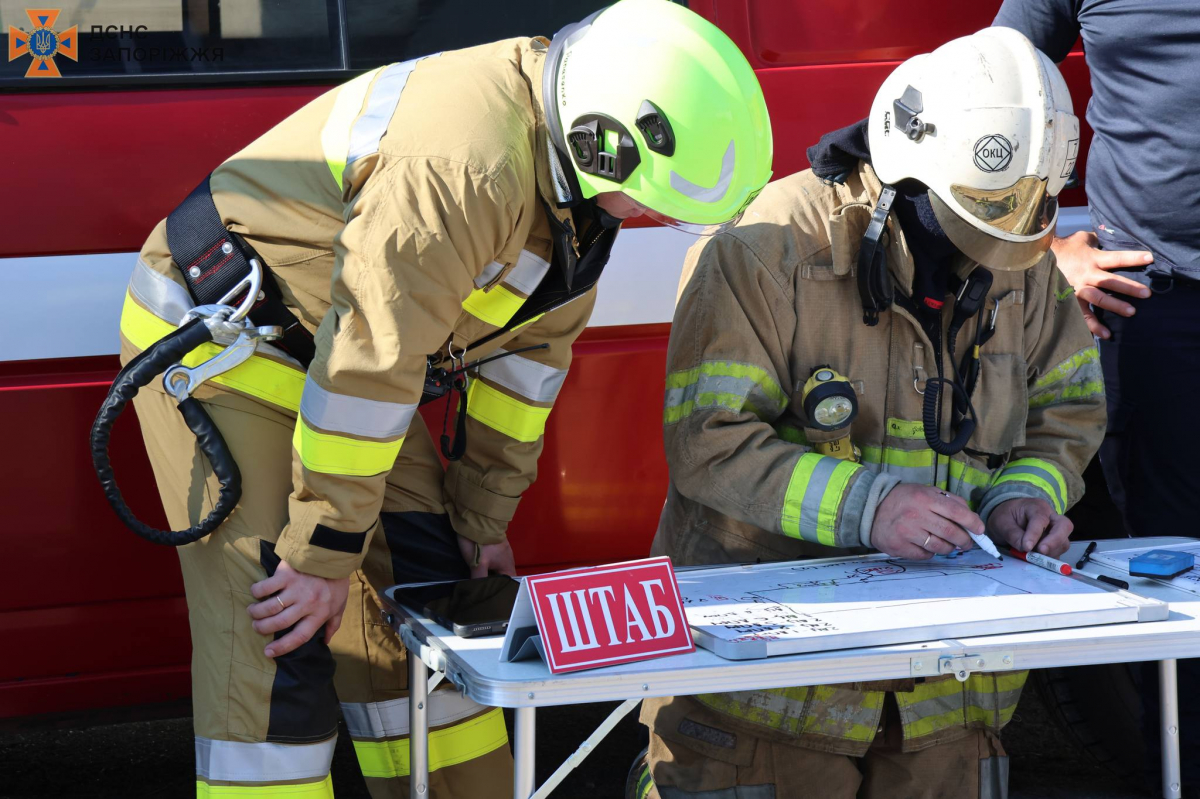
(252,282)
(181,380)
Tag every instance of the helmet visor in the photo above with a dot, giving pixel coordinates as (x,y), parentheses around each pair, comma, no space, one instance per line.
(694,228)
(1023,209)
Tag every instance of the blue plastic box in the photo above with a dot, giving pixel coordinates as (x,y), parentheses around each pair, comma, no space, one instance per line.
(1161,563)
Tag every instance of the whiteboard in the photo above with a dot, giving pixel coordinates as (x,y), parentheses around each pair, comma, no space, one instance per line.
(760,610)
(1119,559)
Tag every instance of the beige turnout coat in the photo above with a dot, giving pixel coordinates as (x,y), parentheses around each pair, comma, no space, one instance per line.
(402,214)
(764,304)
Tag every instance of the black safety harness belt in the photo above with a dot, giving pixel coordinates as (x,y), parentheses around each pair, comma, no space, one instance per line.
(214,260)
(220,270)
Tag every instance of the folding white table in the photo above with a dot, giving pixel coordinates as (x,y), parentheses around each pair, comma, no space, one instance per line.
(473,664)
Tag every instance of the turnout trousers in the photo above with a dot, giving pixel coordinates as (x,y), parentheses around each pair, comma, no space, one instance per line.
(268,727)
(695,754)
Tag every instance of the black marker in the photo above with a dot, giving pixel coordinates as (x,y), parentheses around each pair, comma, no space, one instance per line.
(1087,553)
(1104,578)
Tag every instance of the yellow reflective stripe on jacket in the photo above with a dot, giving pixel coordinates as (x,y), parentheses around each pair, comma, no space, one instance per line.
(1078,377)
(916,466)
(307,790)
(495,307)
(722,384)
(1039,473)
(259,377)
(813,496)
(984,699)
(827,710)
(335,134)
(501,412)
(1088,355)
(791,434)
(448,746)
(861,725)
(333,454)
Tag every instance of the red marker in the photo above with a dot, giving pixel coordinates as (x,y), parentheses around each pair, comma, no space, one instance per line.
(1045,561)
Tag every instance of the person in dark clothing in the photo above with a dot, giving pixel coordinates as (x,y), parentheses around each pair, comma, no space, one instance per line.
(1136,274)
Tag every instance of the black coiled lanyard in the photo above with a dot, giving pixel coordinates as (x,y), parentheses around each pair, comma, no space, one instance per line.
(164,357)
(969,301)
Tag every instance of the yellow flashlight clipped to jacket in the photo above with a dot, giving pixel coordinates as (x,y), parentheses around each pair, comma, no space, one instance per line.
(831,405)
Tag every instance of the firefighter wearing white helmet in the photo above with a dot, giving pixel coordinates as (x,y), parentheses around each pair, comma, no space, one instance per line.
(985,122)
(409,223)
(971,399)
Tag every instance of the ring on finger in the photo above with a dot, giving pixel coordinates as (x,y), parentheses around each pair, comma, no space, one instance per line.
(282,606)
(927,539)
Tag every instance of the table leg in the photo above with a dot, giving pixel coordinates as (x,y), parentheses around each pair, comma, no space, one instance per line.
(523,755)
(1168,697)
(418,728)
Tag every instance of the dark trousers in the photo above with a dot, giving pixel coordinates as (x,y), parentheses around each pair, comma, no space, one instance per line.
(1152,381)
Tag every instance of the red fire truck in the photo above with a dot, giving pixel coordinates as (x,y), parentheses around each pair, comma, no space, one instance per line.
(152,95)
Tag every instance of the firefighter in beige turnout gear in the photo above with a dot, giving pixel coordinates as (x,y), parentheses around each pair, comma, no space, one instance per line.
(406,215)
(765,304)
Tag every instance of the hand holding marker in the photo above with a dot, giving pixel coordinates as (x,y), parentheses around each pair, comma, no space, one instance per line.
(984,543)
(1038,559)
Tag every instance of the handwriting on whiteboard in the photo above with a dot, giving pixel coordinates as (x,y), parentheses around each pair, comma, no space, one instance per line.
(814,600)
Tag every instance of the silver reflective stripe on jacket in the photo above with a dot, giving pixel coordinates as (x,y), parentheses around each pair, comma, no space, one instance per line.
(531,379)
(236,761)
(528,272)
(170,301)
(340,413)
(370,127)
(158,294)
(489,273)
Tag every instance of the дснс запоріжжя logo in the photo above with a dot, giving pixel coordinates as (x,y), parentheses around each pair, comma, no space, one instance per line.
(43,43)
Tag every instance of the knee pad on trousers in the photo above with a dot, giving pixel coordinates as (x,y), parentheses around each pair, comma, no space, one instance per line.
(304,704)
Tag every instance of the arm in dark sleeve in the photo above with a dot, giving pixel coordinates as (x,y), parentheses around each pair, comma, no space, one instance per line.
(1052,25)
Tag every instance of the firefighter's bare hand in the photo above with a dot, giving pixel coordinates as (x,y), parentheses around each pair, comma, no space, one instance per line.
(1028,524)
(918,522)
(1086,268)
(492,558)
(295,598)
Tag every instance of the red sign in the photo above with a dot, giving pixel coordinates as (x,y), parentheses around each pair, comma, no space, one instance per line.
(610,614)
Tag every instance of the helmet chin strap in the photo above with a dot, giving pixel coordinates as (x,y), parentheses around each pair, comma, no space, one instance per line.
(875,287)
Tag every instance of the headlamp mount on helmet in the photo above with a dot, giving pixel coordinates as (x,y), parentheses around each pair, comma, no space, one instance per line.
(590,135)
(656,129)
(906,109)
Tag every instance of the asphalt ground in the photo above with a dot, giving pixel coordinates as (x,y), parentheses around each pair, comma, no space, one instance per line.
(155,759)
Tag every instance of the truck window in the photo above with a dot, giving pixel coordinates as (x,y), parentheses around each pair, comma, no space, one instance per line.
(208,42)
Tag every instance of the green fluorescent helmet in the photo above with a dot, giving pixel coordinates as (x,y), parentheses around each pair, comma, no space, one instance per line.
(648,98)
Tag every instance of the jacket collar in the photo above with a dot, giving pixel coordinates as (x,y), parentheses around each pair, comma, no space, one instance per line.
(862,187)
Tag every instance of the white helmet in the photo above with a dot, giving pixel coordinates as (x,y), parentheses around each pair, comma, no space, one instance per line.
(986,123)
